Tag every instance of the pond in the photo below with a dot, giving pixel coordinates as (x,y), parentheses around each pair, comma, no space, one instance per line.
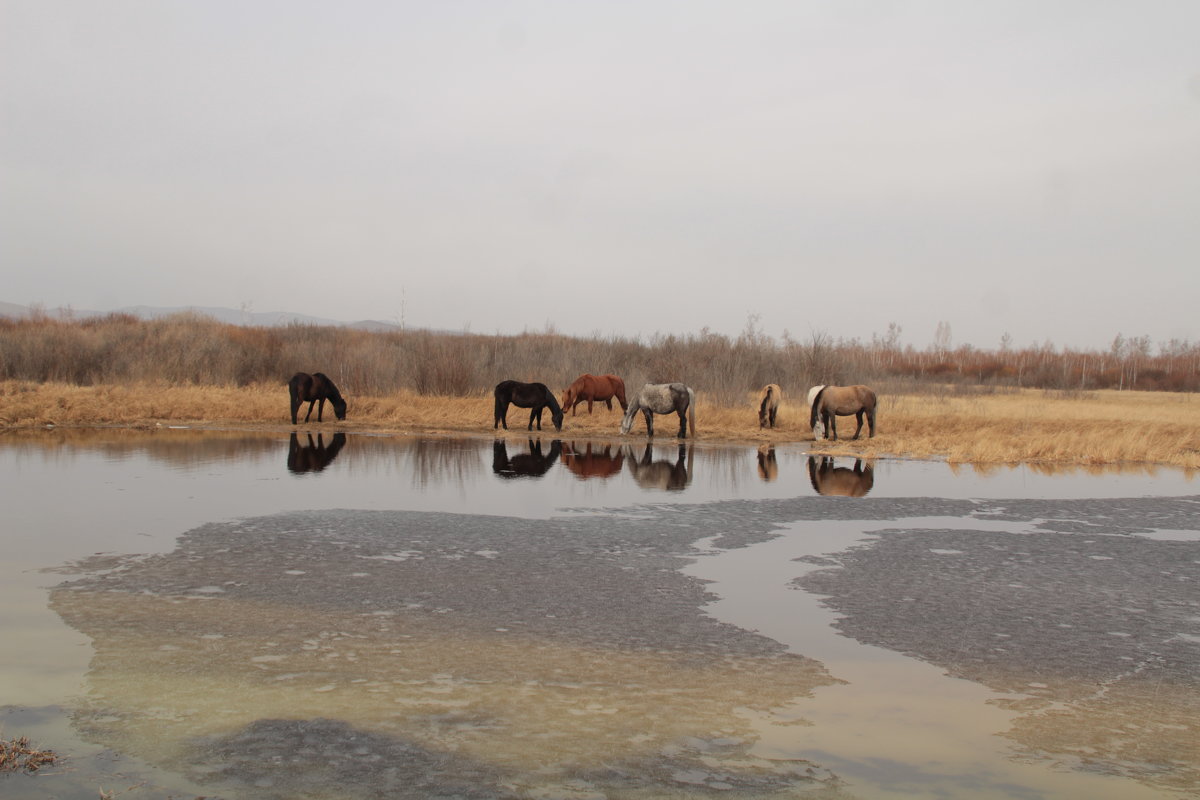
(257,615)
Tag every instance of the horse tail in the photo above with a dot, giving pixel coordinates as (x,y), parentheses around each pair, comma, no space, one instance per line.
(692,411)
(816,405)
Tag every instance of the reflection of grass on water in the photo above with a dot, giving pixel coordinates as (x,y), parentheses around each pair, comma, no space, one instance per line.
(17,754)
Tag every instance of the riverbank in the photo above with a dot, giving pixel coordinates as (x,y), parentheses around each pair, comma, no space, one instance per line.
(1083,428)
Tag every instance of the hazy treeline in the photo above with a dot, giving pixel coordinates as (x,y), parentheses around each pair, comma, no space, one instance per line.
(193,349)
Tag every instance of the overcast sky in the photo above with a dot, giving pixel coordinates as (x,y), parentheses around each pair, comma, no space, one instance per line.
(613,167)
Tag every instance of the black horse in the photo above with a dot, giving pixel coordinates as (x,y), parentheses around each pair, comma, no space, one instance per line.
(526,465)
(315,388)
(534,396)
(313,457)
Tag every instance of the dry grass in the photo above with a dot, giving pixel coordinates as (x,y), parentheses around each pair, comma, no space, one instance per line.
(1092,428)
(17,754)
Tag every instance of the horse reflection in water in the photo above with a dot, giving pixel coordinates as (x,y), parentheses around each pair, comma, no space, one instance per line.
(598,463)
(664,474)
(533,464)
(768,467)
(314,456)
(841,481)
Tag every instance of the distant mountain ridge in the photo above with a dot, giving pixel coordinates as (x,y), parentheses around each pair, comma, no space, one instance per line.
(231,316)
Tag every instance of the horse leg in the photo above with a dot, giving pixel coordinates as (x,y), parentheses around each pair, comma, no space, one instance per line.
(501,414)
(830,425)
(535,412)
(296,403)
(309,414)
(773,410)
(682,425)
(649,421)
(871,423)
(320,407)
(858,416)
(608,403)
(591,399)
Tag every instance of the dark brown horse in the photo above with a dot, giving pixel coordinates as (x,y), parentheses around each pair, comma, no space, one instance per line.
(832,402)
(602,463)
(315,388)
(313,457)
(594,388)
(768,404)
(534,396)
(840,481)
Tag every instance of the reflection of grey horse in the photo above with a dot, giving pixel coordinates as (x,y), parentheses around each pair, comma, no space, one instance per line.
(663,398)
(832,402)
(840,481)
(651,474)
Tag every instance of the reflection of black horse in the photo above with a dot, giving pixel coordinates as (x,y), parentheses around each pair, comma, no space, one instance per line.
(527,465)
(534,396)
(315,388)
(651,474)
(841,481)
(313,457)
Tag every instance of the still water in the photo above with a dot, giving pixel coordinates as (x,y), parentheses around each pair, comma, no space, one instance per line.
(243,615)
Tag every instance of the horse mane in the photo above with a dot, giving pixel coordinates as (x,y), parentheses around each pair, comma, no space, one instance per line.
(333,393)
(692,410)
(816,404)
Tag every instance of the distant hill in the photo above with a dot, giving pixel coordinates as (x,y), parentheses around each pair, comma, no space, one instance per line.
(231,316)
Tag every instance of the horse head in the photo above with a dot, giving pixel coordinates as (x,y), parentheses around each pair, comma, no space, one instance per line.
(339,407)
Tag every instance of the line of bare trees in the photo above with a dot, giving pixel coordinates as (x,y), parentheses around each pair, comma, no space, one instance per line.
(192,349)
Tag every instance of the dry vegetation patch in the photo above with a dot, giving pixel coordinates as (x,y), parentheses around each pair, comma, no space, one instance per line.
(17,754)
(1083,428)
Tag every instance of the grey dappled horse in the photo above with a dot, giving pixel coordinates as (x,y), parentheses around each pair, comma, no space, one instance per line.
(663,398)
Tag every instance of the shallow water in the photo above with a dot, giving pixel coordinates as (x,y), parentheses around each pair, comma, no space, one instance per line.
(252,615)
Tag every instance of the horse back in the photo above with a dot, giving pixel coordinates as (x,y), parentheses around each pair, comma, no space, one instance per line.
(300,386)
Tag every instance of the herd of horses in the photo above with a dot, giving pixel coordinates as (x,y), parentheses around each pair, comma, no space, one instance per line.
(825,403)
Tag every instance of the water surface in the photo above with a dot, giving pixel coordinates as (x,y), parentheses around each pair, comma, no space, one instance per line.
(261,616)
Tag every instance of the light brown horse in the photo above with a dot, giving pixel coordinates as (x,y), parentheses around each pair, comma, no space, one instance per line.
(842,401)
(592,388)
(768,404)
(841,481)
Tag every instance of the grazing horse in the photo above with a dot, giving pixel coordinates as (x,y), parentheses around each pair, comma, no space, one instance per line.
(313,457)
(768,404)
(840,481)
(832,402)
(663,398)
(526,465)
(592,388)
(599,464)
(663,474)
(315,388)
(534,396)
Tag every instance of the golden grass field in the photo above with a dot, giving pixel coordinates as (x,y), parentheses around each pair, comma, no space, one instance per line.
(1033,426)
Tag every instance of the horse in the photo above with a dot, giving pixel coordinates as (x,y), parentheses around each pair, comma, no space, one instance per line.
(662,475)
(598,464)
(534,396)
(768,404)
(315,388)
(840,481)
(592,388)
(768,466)
(663,398)
(526,465)
(832,402)
(313,457)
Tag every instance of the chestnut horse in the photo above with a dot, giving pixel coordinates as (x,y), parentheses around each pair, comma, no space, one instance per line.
(315,388)
(832,402)
(592,388)
(768,404)
(663,398)
(534,396)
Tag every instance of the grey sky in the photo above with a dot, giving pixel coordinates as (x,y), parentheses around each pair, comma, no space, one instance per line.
(1021,167)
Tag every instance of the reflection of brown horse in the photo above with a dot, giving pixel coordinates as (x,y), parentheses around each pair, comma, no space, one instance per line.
(832,402)
(526,465)
(588,464)
(315,388)
(841,481)
(768,467)
(651,474)
(313,457)
(768,404)
(593,388)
